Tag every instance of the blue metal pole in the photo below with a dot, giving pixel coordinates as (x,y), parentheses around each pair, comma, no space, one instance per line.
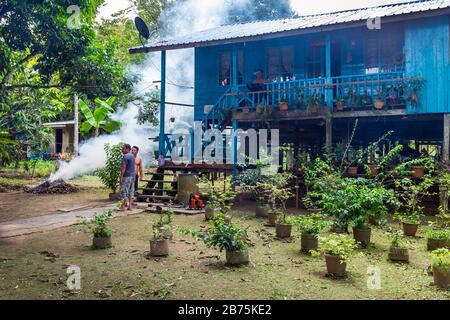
(162,109)
(328,91)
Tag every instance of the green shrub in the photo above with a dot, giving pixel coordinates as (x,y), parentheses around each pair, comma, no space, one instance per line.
(110,174)
(221,234)
(99,223)
(397,240)
(336,245)
(311,225)
(438,233)
(163,226)
(440,258)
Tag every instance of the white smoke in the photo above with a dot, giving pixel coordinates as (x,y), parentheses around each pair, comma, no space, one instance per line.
(92,155)
(188,17)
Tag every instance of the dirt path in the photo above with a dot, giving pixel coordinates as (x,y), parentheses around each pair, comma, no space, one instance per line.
(52,221)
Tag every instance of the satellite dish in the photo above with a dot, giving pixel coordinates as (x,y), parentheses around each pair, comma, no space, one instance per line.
(142,28)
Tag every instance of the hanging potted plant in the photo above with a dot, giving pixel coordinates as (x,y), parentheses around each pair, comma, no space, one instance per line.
(100,229)
(440,262)
(224,236)
(337,250)
(398,250)
(437,237)
(309,228)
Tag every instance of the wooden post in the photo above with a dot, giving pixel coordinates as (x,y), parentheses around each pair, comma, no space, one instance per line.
(75,125)
(446,139)
(329,134)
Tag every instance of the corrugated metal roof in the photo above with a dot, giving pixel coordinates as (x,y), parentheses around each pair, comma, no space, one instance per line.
(233,33)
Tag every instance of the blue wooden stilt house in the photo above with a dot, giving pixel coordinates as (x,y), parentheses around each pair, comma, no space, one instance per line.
(387,66)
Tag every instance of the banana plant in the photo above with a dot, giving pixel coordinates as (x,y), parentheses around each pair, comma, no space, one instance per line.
(97,119)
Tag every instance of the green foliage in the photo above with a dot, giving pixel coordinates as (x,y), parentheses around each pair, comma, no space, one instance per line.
(110,174)
(336,245)
(436,233)
(310,225)
(96,120)
(221,234)
(99,223)
(277,192)
(441,258)
(219,201)
(411,195)
(397,240)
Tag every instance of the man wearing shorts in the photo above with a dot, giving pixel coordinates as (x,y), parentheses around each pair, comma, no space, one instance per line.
(127,178)
(138,168)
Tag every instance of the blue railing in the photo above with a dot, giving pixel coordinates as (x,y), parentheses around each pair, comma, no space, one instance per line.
(369,90)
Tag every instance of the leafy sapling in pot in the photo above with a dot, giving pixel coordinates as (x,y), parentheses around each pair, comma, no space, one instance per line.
(100,229)
(310,228)
(440,262)
(398,250)
(337,250)
(437,237)
(161,233)
(225,236)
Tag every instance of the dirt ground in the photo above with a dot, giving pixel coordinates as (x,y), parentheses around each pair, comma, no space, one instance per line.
(18,204)
(34,267)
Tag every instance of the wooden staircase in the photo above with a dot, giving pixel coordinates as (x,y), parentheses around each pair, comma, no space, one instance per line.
(161,188)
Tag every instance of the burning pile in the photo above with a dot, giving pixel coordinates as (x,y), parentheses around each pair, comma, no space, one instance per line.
(55,187)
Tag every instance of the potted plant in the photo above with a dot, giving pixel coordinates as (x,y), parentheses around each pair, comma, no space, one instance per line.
(377,200)
(246,109)
(159,244)
(309,228)
(110,173)
(277,193)
(380,100)
(339,104)
(415,87)
(440,262)
(218,201)
(283,103)
(352,171)
(437,238)
(313,104)
(398,250)
(224,236)
(337,250)
(259,109)
(226,114)
(411,195)
(100,228)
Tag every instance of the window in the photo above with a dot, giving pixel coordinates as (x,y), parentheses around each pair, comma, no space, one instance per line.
(384,52)
(315,60)
(280,62)
(225,70)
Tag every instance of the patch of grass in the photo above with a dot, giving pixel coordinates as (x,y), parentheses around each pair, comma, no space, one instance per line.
(42,168)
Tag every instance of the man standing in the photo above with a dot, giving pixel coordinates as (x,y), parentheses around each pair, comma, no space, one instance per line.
(127,176)
(138,168)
